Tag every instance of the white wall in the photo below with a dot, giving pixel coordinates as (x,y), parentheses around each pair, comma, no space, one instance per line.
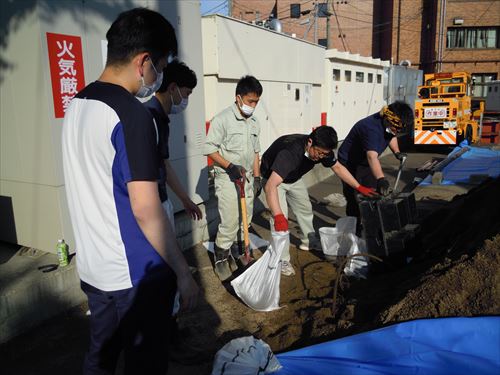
(33,210)
(347,102)
(232,49)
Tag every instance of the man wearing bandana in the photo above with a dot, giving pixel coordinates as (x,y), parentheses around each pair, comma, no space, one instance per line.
(364,144)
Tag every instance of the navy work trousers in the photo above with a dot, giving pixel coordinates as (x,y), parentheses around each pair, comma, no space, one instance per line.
(135,320)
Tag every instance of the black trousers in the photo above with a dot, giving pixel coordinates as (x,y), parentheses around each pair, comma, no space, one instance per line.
(135,320)
(365,177)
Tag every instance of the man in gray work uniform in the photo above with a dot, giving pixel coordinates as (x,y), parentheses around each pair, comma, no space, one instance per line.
(233,144)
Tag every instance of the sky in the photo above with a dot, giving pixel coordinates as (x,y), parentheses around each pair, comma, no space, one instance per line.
(214,6)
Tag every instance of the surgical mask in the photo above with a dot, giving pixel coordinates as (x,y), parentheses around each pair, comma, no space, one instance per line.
(246,109)
(148,90)
(178,108)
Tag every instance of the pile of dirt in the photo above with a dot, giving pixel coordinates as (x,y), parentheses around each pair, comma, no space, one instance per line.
(454,273)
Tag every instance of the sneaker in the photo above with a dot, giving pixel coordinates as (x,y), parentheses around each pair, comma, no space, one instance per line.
(287,268)
(312,245)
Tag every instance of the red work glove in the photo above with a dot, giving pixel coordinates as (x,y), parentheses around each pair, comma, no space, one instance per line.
(367,191)
(280,223)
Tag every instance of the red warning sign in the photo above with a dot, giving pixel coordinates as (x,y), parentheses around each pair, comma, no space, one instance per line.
(66,69)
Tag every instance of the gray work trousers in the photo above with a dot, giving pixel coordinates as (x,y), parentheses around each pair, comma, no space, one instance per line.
(229,209)
(296,195)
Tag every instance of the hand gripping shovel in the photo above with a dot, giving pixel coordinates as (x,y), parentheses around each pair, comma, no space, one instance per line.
(244,259)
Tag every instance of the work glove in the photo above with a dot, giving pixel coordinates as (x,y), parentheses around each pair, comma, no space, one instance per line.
(257,186)
(367,191)
(280,223)
(383,186)
(235,172)
(400,156)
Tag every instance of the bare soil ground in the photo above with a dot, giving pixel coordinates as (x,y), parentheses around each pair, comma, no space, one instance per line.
(454,271)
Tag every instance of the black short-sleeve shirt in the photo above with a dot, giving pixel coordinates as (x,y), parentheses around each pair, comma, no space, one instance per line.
(286,156)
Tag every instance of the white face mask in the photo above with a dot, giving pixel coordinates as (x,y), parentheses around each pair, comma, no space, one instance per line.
(246,109)
(178,108)
(148,90)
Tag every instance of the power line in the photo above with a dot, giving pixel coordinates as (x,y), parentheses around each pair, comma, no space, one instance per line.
(221,5)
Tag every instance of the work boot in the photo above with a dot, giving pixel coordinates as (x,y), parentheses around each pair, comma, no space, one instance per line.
(221,263)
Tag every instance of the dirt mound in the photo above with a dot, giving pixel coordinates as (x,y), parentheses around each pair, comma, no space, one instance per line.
(453,273)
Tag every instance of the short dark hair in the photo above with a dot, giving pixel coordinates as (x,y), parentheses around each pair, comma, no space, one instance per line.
(404,112)
(324,137)
(178,73)
(140,30)
(247,85)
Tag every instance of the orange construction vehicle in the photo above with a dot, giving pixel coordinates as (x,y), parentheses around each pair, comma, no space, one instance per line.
(445,114)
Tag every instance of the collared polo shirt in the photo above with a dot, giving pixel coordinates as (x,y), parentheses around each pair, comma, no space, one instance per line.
(235,137)
(108,140)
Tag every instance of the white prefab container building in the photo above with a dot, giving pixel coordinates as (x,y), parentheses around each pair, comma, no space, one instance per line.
(291,72)
(353,88)
(33,210)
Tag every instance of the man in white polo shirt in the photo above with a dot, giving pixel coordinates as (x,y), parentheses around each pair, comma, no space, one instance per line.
(127,257)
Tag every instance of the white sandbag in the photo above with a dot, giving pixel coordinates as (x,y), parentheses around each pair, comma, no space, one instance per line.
(259,286)
(357,266)
(335,241)
(245,355)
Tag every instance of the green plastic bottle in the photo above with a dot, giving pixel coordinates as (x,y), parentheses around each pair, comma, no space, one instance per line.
(62,253)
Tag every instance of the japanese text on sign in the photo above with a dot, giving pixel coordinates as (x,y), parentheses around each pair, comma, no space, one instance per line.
(66,69)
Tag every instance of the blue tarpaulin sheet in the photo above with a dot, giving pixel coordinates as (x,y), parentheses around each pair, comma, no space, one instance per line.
(430,346)
(476,161)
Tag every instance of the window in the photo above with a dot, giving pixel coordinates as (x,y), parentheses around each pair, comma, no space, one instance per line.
(297,95)
(294,10)
(336,74)
(479,89)
(323,10)
(360,77)
(379,78)
(347,75)
(370,77)
(472,37)
(322,42)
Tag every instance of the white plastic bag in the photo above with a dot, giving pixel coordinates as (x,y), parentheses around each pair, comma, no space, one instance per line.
(245,355)
(357,266)
(259,286)
(336,241)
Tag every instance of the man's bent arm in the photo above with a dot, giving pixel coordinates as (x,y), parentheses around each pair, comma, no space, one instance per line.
(374,164)
(153,221)
(345,175)
(394,145)
(271,190)
(217,158)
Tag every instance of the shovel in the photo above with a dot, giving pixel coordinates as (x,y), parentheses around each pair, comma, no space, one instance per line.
(401,164)
(244,259)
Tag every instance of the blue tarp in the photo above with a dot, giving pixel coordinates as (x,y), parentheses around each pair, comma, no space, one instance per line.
(447,346)
(476,161)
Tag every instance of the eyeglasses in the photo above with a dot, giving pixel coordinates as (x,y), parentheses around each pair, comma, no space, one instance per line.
(321,153)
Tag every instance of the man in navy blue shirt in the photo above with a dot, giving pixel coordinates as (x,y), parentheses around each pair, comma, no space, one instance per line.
(364,144)
(172,98)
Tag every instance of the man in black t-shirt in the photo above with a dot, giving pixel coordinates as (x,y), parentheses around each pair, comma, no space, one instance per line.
(283,164)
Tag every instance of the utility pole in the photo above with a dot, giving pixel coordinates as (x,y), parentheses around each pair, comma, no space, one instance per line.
(328,24)
(316,23)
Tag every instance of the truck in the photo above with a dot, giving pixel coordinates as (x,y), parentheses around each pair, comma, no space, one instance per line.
(445,112)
